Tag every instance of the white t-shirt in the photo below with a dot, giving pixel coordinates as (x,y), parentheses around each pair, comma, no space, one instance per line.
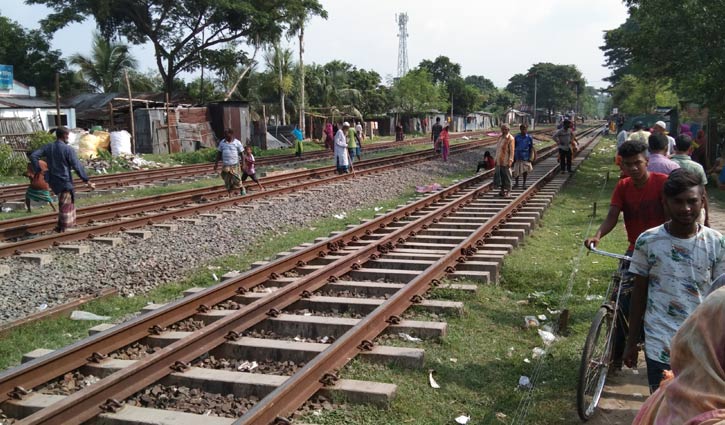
(679,273)
(230,151)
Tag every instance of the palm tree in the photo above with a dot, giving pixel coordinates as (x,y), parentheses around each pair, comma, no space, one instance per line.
(297,28)
(279,63)
(103,69)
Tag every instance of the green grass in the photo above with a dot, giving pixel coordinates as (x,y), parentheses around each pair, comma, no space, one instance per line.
(56,333)
(489,342)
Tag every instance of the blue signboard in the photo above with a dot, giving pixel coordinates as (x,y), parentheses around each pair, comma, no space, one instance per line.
(6,77)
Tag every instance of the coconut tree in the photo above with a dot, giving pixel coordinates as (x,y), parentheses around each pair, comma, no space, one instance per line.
(297,28)
(103,69)
(279,63)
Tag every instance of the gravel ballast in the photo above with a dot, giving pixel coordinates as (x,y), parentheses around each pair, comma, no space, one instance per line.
(137,266)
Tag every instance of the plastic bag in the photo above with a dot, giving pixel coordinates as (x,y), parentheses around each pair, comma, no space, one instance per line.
(88,146)
(121,143)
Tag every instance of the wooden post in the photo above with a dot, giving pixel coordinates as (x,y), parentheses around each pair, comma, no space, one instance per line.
(263,141)
(168,125)
(57,100)
(130,109)
(110,114)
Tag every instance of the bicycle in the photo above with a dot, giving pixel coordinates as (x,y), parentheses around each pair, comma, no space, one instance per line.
(597,354)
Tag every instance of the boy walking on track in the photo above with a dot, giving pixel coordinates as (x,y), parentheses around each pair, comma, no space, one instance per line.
(248,166)
(565,138)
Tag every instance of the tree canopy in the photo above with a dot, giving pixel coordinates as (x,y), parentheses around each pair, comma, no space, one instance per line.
(668,41)
(557,86)
(104,68)
(34,62)
(179,30)
(415,92)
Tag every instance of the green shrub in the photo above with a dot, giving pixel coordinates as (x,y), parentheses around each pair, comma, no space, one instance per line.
(38,139)
(198,157)
(11,164)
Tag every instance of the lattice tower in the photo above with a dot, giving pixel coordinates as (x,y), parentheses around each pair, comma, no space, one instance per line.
(402,21)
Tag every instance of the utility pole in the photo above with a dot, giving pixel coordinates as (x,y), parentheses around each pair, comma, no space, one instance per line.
(536,77)
(57,100)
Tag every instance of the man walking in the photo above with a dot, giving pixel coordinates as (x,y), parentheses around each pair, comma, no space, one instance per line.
(228,152)
(342,157)
(505,146)
(435,133)
(639,198)
(661,128)
(565,138)
(61,160)
(658,161)
(674,265)
(523,155)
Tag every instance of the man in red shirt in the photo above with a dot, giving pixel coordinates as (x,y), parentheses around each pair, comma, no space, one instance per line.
(639,197)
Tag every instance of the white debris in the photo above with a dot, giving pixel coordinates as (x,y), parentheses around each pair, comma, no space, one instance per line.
(463,419)
(593,297)
(42,306)
(537,352)
(247,366)
(547,337)
(432,381)
(527,360)
(531,322)
(213,276)
(84,315)
(524,382)
(340,216)
(409,338)
(325,339)
(541,317)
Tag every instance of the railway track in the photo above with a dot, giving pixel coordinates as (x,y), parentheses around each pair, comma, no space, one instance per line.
(130,178)
(126,215)
(342,292)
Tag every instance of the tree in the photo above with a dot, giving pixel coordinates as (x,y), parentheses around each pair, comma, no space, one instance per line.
(299,18)
(415,93)
(279,63)
(464,97)
(635,96)
(28,51)
(671,41)
(481,83)
(441,70)
(104,68)
(557,86)
(180,29)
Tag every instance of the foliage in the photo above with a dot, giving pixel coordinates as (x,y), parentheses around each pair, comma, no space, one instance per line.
(196,157)
(180,29)
(39,139)
(557,86)
(415,92)
(280,65)
(681,42)
(465,97)
(212,90)
(634,96)
(29,52)
(11,164)
(104,68)
(441,70)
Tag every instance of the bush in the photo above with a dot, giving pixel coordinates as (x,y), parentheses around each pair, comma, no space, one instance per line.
(38,139)
(11,164)
(198,157)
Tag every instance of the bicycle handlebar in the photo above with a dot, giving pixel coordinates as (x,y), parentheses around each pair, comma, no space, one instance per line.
(593,249)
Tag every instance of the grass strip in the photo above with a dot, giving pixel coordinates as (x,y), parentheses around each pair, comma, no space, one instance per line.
(479,362)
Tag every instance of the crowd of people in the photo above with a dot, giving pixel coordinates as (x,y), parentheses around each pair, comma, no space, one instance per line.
(676,260)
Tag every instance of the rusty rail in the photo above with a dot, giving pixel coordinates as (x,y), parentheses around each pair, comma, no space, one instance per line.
(86,403)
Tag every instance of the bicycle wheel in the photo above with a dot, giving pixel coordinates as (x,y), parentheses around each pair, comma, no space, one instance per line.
(594,364)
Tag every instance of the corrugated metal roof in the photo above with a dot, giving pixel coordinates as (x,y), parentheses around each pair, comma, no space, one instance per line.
(25,102)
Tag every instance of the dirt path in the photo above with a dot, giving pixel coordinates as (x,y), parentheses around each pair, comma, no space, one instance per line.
(624,394)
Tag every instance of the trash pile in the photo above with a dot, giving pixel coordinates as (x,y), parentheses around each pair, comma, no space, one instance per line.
(126,161)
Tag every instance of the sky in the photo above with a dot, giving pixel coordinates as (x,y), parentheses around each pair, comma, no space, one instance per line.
(496,39)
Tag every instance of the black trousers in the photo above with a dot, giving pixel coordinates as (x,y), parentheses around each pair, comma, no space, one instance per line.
(565,159)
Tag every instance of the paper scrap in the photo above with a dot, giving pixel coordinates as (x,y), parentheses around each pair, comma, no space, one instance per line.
(247,366)
(463,419)
(432,381)
(213,276)
(325,339)
(593,297)
(527,361)
(501,416)
(453,360)
(524,382)
(409,338)
(84,315)
(537,352)
(541,317)
(340,216)
(547,337)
